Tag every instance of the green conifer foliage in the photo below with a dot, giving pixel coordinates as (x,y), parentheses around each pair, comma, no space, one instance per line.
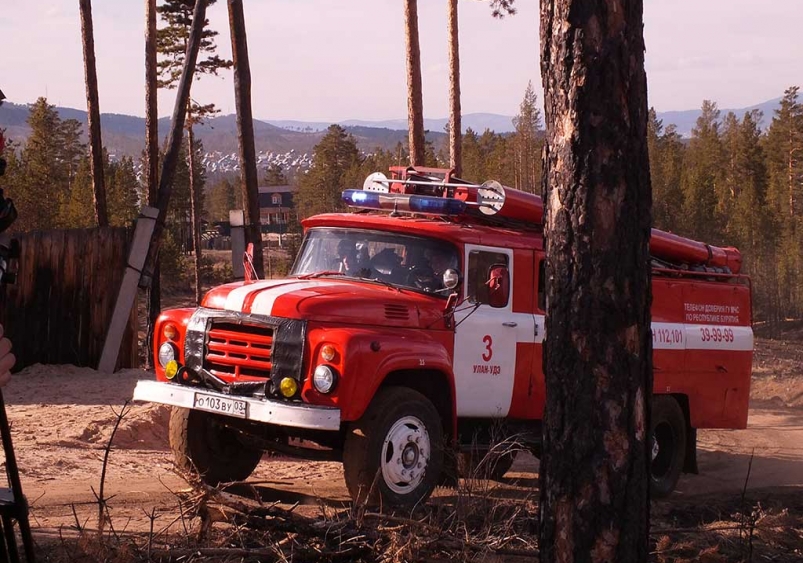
(527,142)
(784,149)
(224,196)
(666,165)
(40,178)
(335,167)
(701,178)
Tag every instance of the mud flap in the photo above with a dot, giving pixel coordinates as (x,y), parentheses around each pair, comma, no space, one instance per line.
(690,464)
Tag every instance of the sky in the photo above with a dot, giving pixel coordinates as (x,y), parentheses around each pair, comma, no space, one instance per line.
(333,60)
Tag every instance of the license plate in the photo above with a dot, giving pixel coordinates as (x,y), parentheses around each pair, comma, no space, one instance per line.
(211,403)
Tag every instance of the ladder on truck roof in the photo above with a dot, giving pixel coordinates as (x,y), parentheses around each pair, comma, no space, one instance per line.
(435,191)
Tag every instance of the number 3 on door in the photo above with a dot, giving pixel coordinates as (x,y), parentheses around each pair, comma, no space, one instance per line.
(488,354)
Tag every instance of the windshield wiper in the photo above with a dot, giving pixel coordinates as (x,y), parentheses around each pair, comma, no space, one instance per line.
(312,275)
(320,274)
(383,282)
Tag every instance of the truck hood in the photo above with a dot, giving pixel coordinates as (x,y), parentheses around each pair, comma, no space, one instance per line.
(329,300)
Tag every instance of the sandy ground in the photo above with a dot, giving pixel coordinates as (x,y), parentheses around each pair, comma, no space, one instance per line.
(62,417)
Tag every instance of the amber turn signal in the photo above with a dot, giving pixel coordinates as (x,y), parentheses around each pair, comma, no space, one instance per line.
(328,353)
(170,331)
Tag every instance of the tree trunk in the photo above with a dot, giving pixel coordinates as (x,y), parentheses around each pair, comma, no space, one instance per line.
(791,168)
(195,216)
(152,151)
(174,140)
(415,105)
(598,351)
(93,113)
(245,130)
(455,127)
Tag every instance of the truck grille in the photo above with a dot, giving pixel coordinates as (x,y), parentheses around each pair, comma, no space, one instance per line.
(239,351)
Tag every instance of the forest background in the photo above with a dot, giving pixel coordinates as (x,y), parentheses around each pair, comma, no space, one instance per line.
(730,184)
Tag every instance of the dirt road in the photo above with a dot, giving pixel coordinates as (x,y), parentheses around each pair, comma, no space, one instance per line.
(62,417)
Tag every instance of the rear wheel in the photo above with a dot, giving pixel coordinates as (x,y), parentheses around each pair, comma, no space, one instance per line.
(393,455)
(203,444)
(668,445)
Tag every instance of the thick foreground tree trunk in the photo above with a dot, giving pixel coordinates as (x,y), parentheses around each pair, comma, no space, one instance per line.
(455,140)
(598,350)
(245,130)
(93,113)
(152,149)
(415,104)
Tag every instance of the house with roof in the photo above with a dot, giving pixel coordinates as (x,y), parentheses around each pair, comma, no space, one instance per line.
(276,207)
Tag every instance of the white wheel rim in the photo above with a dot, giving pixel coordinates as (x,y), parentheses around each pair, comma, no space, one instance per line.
(405,454)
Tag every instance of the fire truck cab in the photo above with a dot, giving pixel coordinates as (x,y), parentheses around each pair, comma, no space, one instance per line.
(412,330)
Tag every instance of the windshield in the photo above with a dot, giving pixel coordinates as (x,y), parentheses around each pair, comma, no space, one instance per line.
(404,261)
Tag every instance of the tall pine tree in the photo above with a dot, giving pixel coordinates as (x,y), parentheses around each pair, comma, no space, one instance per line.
(528,140)
(335,164)
(172,43)
(700,181)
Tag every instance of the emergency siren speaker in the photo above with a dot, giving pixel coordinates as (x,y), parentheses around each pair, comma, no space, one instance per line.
(494,199)
(376,182)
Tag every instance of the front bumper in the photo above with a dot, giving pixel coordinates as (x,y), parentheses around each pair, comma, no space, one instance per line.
(261,410)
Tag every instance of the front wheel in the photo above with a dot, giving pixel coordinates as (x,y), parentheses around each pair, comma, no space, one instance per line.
(393,455)
(668,445)
(203,444)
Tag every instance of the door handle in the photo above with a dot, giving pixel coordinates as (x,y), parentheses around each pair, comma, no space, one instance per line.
(510,324)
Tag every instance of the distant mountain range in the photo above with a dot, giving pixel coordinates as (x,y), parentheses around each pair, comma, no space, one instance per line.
(124,134)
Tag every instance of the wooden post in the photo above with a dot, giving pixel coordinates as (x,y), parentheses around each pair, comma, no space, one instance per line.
(245,130)
(128,288)
(237,243)
(93,113)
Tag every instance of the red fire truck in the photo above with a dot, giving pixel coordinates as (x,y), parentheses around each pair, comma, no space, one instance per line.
(412,329)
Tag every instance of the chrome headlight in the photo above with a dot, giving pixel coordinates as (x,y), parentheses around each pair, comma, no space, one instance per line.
(167,353)
(324,379)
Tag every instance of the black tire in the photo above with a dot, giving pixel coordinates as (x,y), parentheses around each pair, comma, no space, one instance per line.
(485,465)
(204,445)
(396,414)
(669,446)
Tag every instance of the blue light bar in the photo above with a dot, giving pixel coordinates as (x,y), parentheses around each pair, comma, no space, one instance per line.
(401,202)
(360,198)
(436,205)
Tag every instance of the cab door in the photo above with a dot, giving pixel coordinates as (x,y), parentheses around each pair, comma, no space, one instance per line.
(486,334)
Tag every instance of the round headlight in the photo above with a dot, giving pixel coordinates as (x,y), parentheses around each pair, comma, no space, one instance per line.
(324,379)
(167,353)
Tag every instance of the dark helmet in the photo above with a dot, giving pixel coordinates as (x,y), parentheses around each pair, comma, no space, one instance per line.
(346,248)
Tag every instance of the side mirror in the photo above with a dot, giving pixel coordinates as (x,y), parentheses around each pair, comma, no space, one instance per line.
(451,278)
(498,286)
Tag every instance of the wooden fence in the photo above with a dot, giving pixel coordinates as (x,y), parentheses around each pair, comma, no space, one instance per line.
(59,309)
